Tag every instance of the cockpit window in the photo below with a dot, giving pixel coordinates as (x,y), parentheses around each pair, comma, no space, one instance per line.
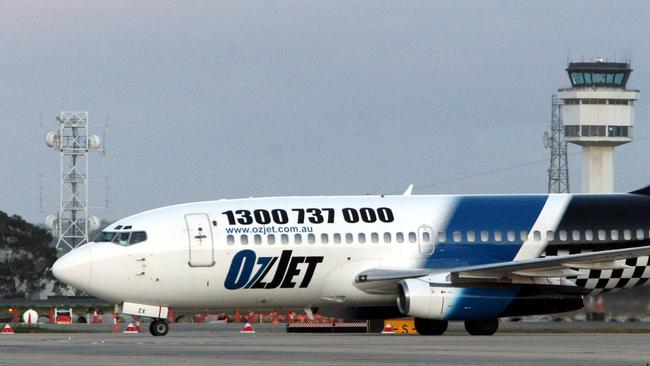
(105,236)
(137,237)
(124,238)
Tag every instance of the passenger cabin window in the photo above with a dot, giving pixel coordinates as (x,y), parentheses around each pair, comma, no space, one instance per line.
(523,235)
(412,237)
(348,238)
(324,239)
(243,239)
(442,237)
(639,234)
(297,239)
(399,237)
(550,235)
(362,238)
(426,237)
(563,235)
(311,238)
(457,236)
(374,237)
(589,235)
(575,235)
(498,236)
(471,236)
(387,238)
(537,236)
(337,238)
(230,240)
(511,235)
(258,239)
(602,235)
(614,234)
(627,234)
(270,239)
(485,236)
(284,238)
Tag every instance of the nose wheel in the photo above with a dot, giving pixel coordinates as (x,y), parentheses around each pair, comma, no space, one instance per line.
(159,327)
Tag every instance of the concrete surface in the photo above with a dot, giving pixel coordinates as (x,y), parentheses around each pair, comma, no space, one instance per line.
(223,345)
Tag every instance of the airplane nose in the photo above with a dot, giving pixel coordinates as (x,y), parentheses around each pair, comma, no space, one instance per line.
(75,267)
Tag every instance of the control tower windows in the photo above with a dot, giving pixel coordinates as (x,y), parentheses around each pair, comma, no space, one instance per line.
(617,131)
(572,131)
(593,131)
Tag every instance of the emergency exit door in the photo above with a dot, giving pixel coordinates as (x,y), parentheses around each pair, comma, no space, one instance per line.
(199,234)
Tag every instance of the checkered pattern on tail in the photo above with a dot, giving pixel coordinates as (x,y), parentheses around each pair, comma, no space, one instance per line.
(606,280)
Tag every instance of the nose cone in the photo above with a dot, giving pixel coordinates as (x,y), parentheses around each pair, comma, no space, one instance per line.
(75,268)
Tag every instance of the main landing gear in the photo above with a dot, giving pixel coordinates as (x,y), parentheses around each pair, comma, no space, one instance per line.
(473,327)
(159,327)
(482,327)
(430,326)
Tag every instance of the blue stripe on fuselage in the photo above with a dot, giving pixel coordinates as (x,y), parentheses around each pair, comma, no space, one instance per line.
(486,213)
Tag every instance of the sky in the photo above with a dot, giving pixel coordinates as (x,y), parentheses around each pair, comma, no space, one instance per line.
(201,100)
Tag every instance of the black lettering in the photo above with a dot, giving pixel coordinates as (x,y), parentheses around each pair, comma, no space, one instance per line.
(231,217)
(245,217)
(311,267)
(292,272)
(350,215)
(279,216)
(368,215)
(282,268)
(316,216)
(260,281)
(385,214)
(262,217)
(330,215)
(301,215)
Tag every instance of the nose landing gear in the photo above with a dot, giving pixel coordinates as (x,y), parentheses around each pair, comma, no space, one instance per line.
(159,327)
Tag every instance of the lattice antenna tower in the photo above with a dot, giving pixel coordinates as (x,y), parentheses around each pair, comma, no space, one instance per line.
(72,223)
(558,172)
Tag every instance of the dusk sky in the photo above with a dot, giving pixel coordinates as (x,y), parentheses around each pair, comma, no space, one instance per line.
(216,99)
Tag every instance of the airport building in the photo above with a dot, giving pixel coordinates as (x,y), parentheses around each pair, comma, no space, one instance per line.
(598,114)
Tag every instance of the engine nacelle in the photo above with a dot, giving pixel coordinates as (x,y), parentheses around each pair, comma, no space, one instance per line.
(443,301)
(422,299)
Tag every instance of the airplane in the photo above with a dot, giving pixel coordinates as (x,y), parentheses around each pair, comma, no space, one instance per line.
(436,258)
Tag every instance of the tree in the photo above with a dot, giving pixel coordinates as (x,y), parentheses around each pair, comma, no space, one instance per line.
(26,257)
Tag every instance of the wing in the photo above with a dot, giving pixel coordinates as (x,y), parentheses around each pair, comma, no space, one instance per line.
(384,280)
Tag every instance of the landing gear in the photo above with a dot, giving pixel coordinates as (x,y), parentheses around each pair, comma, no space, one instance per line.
(482,327)
(430,326)
(159,327)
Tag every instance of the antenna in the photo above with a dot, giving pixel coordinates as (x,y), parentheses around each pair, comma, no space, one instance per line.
(72,223)
(558,172)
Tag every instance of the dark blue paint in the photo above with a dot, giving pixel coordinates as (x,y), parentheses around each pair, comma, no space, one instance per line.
(486,213)
(482,303)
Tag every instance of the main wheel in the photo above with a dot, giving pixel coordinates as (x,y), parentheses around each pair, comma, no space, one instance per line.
(430,326)
(482,327)
(159,327)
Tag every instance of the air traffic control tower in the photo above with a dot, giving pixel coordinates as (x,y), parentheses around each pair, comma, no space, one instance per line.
(598,114)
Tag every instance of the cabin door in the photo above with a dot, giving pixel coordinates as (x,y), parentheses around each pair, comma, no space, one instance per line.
(425,241)
(199,233)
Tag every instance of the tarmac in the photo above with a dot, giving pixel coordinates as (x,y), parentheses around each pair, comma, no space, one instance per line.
(222,344)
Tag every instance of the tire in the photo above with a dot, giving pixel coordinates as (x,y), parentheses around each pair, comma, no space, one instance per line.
(430,327)
(482,327)
(159,327)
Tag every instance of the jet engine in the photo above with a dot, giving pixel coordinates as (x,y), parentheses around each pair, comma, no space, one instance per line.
(445,301)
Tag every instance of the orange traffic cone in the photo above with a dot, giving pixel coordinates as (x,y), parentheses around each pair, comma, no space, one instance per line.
(130,329)
(388,329)
(247,329)
(115,330)
(7,330)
